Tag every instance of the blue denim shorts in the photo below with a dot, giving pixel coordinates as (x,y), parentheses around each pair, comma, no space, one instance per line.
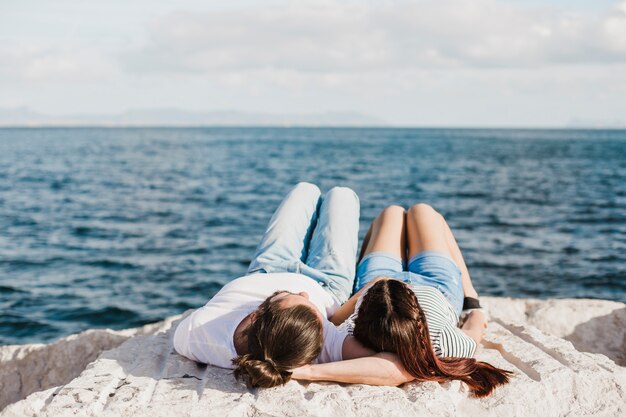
(430,268)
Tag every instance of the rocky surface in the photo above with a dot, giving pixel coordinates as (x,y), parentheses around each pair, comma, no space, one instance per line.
(546,343)
(25,369)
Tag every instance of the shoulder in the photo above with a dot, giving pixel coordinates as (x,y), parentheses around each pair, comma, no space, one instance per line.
(334,345)
(348,325)
(427,295)
(206,335)
(435,305)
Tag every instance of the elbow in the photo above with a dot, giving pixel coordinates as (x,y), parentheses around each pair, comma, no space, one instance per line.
(399,377)
(387,381)
(401,380)
(395,374)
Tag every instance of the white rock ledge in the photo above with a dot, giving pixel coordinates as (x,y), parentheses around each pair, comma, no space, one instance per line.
(567,355)
(25,369)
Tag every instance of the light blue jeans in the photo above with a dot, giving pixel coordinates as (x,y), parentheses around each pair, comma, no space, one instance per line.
(313,235)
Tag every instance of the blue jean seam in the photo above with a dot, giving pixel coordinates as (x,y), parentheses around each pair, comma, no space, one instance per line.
(379,254)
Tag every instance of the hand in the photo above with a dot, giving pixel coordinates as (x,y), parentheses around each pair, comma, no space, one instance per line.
(475,325)
(483,317)
(475,314)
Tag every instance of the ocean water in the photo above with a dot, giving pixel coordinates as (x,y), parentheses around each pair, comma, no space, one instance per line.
(121,227)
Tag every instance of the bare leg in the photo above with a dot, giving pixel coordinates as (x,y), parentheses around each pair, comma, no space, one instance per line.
(387,234)
(366,241)
(455,252)
(425,230)
(428,230)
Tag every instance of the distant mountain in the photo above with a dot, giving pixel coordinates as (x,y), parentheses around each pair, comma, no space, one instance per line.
(19,116)
(24,116)
(579,123)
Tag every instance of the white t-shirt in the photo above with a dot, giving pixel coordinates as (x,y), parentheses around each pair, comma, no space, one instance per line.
(206,335)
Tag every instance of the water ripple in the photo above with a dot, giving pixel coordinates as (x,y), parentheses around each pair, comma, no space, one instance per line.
(120,227)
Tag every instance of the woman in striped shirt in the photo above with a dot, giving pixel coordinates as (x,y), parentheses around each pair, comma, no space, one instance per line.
(412,285)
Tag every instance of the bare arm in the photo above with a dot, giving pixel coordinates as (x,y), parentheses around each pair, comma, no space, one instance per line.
(380,369)
(347,308)
(352,349)
(475,325)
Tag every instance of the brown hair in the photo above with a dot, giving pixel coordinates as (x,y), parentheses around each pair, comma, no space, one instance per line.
(390,319)
(279,339)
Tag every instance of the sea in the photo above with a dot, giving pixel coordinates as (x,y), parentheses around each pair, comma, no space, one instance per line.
(119,227)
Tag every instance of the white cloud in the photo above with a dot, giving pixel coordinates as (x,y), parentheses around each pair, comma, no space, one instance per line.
(614,30)
(38,63)
(424,62)
(314,36)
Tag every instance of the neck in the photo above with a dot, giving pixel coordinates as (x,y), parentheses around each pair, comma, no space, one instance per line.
(240,338)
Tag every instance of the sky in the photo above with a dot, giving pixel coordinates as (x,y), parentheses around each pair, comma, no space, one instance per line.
(518,63)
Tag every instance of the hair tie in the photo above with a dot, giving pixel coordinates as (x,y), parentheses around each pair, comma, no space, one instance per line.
(271,362)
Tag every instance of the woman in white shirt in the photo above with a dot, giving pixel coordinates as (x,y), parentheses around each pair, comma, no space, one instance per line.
(276,318)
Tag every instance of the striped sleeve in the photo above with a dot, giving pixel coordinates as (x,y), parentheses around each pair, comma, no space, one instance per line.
(452,342)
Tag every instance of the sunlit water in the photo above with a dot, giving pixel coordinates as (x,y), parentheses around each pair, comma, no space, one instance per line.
(120,227)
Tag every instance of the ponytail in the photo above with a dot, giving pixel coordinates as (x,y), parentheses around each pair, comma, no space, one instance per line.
(391,319)
(279,339)
(260,373)
(482,377)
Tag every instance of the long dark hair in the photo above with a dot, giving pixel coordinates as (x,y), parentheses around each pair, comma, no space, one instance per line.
(390,319)
(279,339)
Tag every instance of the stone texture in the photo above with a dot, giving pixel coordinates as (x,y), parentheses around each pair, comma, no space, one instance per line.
(25,369)
(144,377)
(595,326)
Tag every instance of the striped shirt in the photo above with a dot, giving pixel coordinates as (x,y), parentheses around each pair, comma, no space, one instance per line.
(446,338)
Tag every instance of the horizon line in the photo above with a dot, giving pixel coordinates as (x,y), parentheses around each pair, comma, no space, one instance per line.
(273,126)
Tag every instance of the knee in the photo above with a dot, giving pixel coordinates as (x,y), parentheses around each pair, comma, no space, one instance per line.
(423,210)
(307,187)
(344,192)
(392,211)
